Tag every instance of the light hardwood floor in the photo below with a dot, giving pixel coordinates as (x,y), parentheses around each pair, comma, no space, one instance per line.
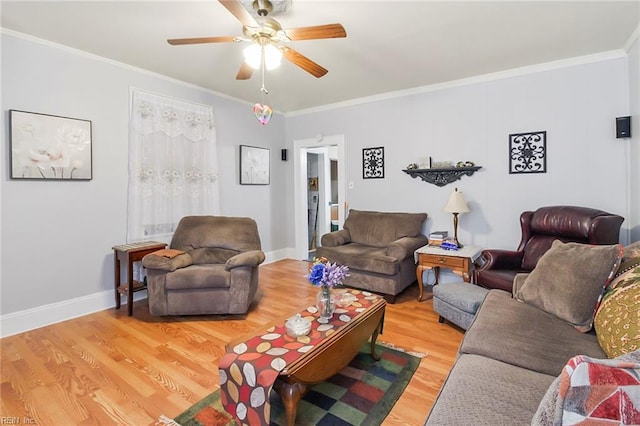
(107,368)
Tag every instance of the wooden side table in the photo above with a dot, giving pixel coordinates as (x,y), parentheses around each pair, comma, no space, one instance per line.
(128,254)
(459,261)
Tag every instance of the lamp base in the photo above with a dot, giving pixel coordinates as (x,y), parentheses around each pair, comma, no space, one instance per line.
(455,230)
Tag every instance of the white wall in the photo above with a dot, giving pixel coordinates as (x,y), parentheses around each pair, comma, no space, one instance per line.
(634,142)
(57,236)
(576,105)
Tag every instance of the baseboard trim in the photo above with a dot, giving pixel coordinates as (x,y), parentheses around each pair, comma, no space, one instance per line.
(274,256)
(42,316)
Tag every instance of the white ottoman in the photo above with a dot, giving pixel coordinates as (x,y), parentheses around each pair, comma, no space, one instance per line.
(458,302)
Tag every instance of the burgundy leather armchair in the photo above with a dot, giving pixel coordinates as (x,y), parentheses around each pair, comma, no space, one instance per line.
(539,229)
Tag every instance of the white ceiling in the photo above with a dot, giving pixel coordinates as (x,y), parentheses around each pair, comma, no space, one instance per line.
(390,45)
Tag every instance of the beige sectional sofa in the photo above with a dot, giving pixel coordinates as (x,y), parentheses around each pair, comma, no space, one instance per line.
(512,363)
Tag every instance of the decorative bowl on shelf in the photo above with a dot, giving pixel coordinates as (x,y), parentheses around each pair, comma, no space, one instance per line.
(297,326)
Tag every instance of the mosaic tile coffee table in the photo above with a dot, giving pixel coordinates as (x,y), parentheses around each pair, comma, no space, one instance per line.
(290,365)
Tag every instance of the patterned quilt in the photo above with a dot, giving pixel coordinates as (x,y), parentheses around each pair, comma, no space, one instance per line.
(593,391)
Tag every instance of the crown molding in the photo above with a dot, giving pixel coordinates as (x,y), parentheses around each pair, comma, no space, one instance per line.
(547,66)
(515,72)
(632,39)
(122,65)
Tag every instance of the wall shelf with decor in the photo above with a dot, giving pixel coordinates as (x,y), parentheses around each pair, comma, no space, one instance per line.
(442,176)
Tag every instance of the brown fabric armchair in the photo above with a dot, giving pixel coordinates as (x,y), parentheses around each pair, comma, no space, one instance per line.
(216,274)
(378,248)
(539,229)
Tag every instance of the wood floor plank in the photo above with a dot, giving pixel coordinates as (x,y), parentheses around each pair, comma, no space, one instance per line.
(108,368)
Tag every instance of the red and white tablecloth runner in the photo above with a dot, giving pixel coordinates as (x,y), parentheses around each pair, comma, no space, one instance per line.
(248,372)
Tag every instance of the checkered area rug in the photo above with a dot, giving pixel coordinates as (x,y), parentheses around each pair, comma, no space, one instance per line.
(363,393)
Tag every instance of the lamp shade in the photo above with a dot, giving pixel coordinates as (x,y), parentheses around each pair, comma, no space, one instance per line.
(456,203)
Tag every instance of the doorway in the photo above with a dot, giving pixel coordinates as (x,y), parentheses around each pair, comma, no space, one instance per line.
(319,191)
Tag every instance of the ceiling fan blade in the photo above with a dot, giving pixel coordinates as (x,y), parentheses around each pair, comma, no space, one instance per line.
(317,32)
(245,72)
(237,9)
(199,40)
(303,62)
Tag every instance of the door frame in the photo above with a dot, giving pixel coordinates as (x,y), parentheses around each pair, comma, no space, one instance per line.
(300,148)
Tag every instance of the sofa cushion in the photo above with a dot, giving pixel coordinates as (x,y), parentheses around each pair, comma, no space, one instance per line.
(593,391)
(525,336)
(362,257)
(483,391)
(380,229)
(232,233)
(617,321)
(569,279)
(198,277)
(209,255)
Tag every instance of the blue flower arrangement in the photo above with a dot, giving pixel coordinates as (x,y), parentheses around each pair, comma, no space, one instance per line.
(326,274)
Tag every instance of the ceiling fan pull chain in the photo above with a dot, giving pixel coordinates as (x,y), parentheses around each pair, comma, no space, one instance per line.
(263,111)
(262,66)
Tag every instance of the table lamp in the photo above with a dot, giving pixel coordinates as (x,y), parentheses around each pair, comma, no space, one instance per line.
(456,205)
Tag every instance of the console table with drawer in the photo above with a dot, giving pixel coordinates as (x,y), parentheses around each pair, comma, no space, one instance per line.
(459,261)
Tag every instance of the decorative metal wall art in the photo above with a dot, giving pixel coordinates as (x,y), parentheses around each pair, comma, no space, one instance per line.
(528,152)
(373,163)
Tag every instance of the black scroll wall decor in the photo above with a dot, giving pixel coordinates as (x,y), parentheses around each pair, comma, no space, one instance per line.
(528,152)
(373,163)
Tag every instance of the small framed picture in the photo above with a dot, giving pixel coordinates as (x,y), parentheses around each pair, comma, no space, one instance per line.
(254,165)
(49,147)
(313,184)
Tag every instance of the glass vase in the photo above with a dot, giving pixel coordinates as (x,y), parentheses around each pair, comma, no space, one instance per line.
(325,302)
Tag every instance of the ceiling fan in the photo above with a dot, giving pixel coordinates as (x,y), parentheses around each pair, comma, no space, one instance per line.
(267,36)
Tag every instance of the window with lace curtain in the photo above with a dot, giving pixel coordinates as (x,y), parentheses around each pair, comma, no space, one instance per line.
(172,164)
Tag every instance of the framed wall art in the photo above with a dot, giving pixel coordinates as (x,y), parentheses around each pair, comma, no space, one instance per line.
(313,184)
(254,165)
(528,152)
(49,147)
(373,163)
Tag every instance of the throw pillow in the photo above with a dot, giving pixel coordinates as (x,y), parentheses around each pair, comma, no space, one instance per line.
(632,250)
(629,270)
(592,391)
(617,321)
(569,280)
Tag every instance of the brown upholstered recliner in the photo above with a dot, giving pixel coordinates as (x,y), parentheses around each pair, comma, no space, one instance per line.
(216,274)
(378,248)
(539,229)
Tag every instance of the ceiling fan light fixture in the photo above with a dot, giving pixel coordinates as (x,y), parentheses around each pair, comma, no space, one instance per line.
(253,56)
